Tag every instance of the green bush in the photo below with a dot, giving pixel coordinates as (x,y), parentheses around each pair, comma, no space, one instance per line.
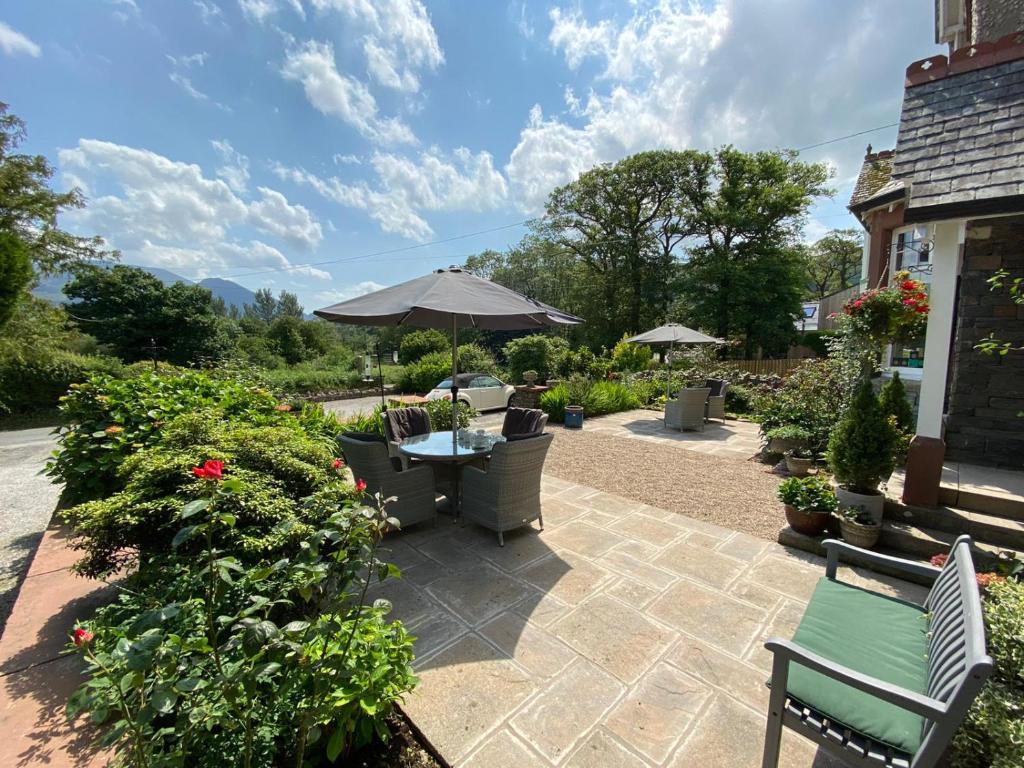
(538,352)
(861,447)
(894,403)
(419,343)
(813,397)
(808,494)
(739,399)
(34,381)
(308,378)
(473,359)
(205,662)
(629,358)
(597,399)
(993,734)
(105,420)
(427,373)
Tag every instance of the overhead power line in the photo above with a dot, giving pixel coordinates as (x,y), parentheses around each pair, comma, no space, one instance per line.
(464,236)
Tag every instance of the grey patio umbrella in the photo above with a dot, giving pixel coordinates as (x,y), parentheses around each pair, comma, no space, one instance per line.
(448,298)
(672,334)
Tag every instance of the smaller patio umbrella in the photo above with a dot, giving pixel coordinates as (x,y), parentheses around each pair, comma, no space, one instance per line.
(672,334)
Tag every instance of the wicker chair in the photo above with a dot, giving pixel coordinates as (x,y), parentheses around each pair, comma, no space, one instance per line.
(400,423)
(688,409)
(716,399)
(507,494)
(416,499)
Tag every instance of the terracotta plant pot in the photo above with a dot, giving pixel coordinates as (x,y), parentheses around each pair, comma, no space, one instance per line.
(874,503)
(808,523)
(864,536)
(798,466)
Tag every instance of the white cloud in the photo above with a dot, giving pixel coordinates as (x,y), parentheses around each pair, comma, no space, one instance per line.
(407,188)
(209,12)
(179,65)
(399,39)
(260,10)
(189,61)
(235,170)
(340,159)
(13,43)
(673,74)
(337,95)
(172,214)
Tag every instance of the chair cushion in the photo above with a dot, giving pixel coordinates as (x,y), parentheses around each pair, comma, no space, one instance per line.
(401,423)
(523,422)
(876,635)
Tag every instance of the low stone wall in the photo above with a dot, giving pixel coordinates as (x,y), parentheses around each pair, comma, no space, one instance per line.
(985,413)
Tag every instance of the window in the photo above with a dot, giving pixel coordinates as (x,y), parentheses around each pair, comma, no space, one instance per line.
(485,381)
(911,250)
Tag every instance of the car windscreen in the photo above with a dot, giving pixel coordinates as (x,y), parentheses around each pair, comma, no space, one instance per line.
(446,384)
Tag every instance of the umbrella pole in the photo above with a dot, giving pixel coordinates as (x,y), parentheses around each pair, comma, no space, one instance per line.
(668,371)
(455,371)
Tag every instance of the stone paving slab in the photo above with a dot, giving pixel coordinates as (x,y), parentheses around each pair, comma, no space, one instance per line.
(621,635)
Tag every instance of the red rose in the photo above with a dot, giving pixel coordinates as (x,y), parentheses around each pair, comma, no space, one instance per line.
(360,485)
(81,637)
(211,470)
(338,463)
(939,560)
(908,285)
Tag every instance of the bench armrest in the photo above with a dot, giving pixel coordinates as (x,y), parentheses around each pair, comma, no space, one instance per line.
(919,704)
(834,547)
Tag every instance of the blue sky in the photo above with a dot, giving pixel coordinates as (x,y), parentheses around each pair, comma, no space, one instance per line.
(258,139)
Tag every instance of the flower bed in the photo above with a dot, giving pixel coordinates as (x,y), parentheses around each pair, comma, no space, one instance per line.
(244,634)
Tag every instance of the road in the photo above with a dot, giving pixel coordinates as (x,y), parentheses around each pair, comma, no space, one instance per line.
(28,501)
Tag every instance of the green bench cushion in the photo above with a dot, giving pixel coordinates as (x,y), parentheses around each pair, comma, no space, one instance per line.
(876,635)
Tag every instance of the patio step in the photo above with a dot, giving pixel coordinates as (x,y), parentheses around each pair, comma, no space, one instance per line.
(790,538)
(990,529)
(995,492)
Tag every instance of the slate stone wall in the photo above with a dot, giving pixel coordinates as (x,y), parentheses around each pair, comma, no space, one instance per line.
(985,413)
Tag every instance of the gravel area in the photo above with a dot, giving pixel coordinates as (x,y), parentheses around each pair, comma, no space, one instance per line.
(728,492)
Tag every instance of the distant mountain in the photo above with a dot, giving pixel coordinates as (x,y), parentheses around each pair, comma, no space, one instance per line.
(231,292)
(52,288)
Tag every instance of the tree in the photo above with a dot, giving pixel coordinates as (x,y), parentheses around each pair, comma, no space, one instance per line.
(743,277)
(15,274)
(29,208)
(288,306)
(833,263)
(140,318)
(264,306)
(286,334)
(421,342)
(623,223)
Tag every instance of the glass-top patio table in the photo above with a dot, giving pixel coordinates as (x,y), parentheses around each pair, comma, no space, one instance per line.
(451,448)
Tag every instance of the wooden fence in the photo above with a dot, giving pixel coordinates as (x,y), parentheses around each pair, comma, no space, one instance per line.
(833,303)
(763,367)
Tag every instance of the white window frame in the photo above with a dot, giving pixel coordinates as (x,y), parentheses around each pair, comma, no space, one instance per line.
(906,372)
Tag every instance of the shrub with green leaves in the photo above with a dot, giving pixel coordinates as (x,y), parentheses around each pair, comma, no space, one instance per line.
(276,468)
(993,734)
(427,373)
(33,381)
(537,352)
(422,342)
(862,446)
(597,399)
(105,420)
(812,397)
(808,494)
(628,357)
(204,661)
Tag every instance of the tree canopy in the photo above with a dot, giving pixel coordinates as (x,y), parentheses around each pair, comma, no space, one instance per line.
(833,262)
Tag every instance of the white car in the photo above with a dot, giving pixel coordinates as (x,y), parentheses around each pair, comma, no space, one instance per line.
(481,391)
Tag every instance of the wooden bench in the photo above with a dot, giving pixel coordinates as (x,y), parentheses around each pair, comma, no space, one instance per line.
(876,680)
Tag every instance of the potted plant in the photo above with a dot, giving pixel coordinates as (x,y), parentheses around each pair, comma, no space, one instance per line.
(799,461)
(858,527)
(530,377)
(860,452)
(787,437)
(809,501)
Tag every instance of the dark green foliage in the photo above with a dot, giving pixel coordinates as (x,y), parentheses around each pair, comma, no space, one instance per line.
(285,333)
(894,403)
(422,342)
(277,466)
(35,381)
(993,734)
(538,352)
(863,443)
(597,398)
(139,317)
(739,399)
(15,274)
(427,373)
(808,494)
(475,359)
(812,397)
(105,420)
(308,377)
(816,340)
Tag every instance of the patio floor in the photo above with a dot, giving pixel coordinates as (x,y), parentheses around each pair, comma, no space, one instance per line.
(621,635)
(733,439)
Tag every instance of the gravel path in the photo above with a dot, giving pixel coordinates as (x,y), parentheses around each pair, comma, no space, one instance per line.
(728,492)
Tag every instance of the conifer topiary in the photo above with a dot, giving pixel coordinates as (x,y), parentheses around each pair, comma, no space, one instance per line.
(861,447)
(894,403)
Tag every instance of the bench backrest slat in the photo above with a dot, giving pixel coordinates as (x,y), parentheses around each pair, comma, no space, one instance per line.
(956,648)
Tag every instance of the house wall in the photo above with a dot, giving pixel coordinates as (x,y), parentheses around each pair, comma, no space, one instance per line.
(993,19)
(984,423)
